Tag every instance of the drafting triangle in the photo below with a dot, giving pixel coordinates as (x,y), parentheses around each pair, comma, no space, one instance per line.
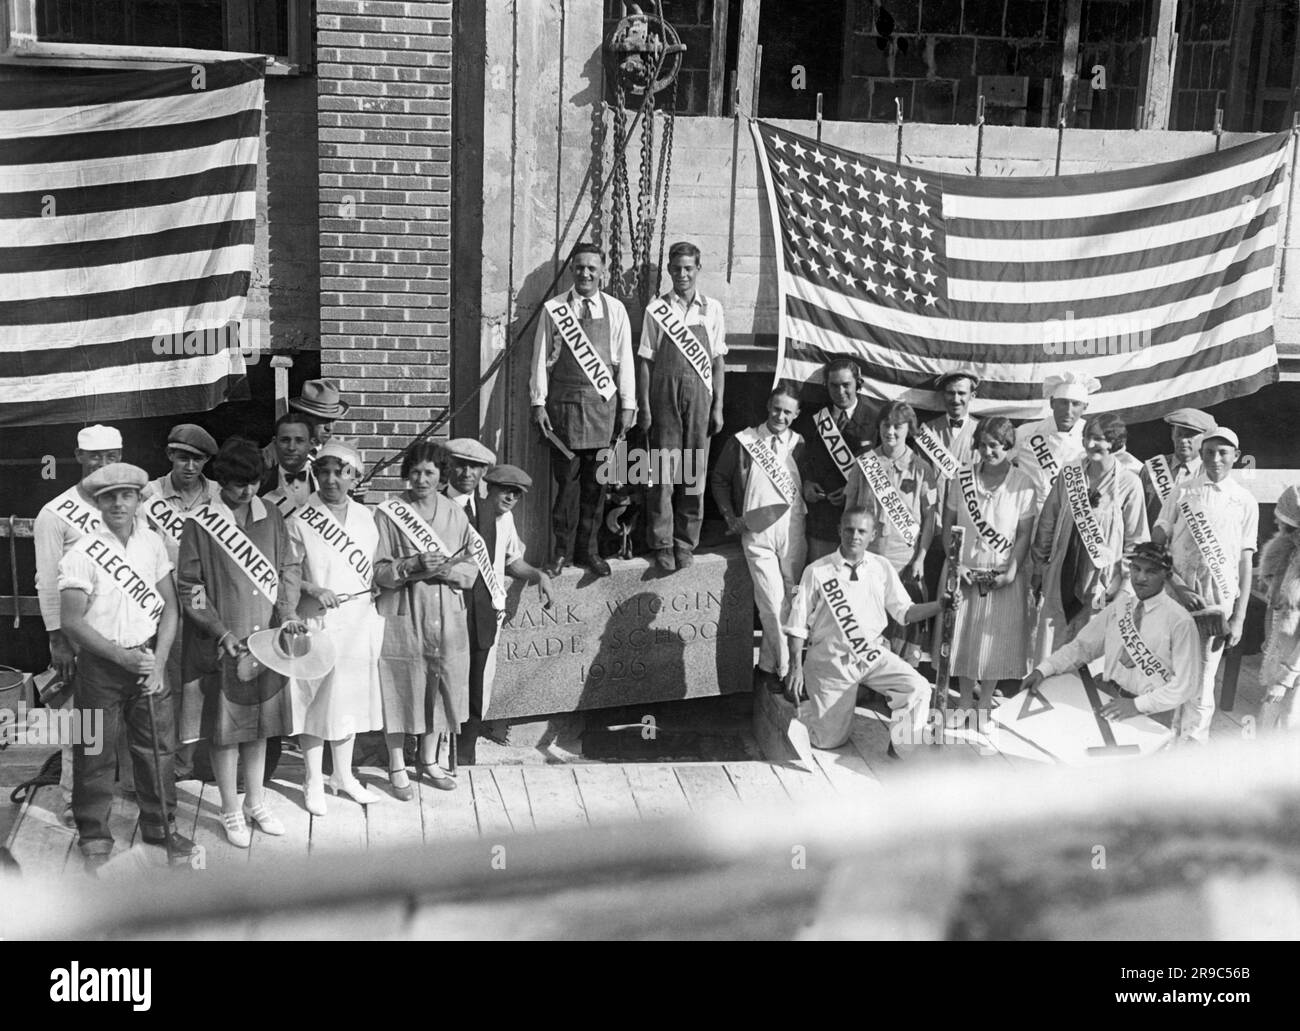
(1030,709)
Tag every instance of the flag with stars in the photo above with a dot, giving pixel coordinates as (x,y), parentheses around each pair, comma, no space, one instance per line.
(1158,280)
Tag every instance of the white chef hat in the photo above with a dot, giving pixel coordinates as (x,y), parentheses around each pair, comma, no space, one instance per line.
(1074,386)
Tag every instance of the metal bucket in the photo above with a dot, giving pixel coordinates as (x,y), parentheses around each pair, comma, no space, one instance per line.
(12,682)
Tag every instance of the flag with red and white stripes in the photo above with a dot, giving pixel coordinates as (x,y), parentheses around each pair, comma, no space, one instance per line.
(127,213)
(1157,280)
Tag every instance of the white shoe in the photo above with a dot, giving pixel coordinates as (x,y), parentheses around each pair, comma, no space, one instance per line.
(354,789)
(261,817)
(237,832)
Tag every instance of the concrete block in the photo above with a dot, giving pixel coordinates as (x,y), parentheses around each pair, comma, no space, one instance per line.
(1026,19)
(983,18)
(953,57)
(941,16)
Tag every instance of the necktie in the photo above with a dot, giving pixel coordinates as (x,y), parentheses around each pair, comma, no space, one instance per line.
(853,570)
(841,418)
(774,440)
(1137,615)
(586,309)
(299,477)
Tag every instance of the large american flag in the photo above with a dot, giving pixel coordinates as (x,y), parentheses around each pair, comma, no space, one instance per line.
(127,209)
(1157,280)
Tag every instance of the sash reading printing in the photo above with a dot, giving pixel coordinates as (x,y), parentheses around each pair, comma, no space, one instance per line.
(997,541)
(165,517)
(867,655)
(327,528)
(836,446)
(1143,657)
(945,462)
(1162,477)
(123,576)
(246,555)
(1085,519)
(77,514)
(582,349)
(478,548)
(687,342)
(889,497)
(414,527)
(1208,545)
(765,458)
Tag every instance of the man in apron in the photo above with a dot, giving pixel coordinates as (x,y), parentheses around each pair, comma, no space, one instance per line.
(683,341)
(1161,474)
(583,390)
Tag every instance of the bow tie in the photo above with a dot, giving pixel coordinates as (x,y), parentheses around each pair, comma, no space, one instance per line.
(299,477)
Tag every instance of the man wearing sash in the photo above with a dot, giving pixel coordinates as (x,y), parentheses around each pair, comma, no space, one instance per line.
(1160,474)
(291,482)
(756,487)
(59,525)
(832,437)
(1149,644)
(118,609)
(583,391)
(839,613)
(683,342)
(1211,525)
(948,441)
(1044,446)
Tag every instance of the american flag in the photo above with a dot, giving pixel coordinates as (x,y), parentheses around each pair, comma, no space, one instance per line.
(1157,280)
(127,210)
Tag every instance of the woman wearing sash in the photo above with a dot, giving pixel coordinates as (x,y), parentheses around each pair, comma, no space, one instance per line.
(424,664)
(906,515)
(994,502)
(219,578)
(1093,515)
(1279,574)
(339,544)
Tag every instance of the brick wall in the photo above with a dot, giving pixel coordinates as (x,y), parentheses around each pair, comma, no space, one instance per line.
(384,112)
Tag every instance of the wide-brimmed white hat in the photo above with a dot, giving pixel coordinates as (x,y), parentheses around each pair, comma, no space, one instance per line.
(307,656)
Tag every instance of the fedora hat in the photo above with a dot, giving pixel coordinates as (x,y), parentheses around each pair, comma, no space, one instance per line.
(320,397)
(306,656)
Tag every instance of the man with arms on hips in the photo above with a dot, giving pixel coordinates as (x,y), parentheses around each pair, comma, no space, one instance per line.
(1044,447)
(756,488)
(1161,474)
(680,385)
(118,608)
(291,481)
(1149,644)
(839,613)
(59,525)
(583,391)
(1211,526)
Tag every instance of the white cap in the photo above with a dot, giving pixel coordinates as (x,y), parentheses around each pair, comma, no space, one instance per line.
(1074,386)
(99,438)
(337,447)
(1222,433)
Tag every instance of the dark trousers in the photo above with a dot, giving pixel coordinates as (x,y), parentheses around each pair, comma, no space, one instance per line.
(105,686)
(680,424)
(579,502)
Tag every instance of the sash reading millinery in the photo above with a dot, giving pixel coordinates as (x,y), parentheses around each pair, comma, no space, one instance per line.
(240,549)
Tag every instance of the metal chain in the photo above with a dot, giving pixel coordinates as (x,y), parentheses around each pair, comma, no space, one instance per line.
(620,192)
(645,222)
(665,184)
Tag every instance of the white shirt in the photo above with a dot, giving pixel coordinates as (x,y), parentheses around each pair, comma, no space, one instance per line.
(700,311)
(914,480)
(53,536)
(760,491)
(546,348)
(876,594)
(1063,447)
(509,546)
(164,488)
(111,613)
(1233,515)
(1168,630)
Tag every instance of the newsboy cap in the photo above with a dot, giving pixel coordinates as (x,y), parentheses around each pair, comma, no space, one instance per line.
(114,476)
(470,450)
(1191,419)
(195,439)
(508,476)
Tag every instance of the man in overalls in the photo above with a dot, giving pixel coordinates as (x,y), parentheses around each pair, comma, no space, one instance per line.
(683,341)
(583,383)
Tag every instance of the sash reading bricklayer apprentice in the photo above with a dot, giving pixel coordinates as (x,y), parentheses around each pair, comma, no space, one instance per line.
(77,514)
(765,458)
(581,347)
(867,654)
(1162,477)
(1138,650)
(487,570)
(321,523)
(165,517)
(687,342)
(998,542)
(891,501)
(836,446)
(240,549)
(112,560)
(945,462)
(1207,543)
(414,527)
(1085,518)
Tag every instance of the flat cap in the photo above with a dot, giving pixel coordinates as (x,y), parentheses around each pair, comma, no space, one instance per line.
(99,438)
(508,476)
(195,439)
(951,374)
(114,476)
(470,450)
(1149,551)
(1191,418)
(344,451)
(1221,433)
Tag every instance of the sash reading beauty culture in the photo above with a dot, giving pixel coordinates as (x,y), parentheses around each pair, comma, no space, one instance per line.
(765,458)
(1207,543)
(1138,650)
(415,528)
(580,346)
(945,462)
(1162,477)
(112,560)
(687,342)
(1085,519)
(321,522)
(239,548)
(890,499)
(76,513)
(836,446)
(867,654)
(996,541)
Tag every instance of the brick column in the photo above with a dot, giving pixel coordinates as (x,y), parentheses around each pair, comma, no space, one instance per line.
(384,112)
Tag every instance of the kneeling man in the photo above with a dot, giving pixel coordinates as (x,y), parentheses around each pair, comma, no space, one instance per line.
(840,613)
(1150,644)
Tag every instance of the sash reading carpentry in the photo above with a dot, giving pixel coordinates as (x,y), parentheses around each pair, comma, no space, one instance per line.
(415,528)
(1210,548)
(240,549)
(487,570)
(836,446)
(165,517)
(581,347)
(1085,518)
(890,499)
(112,560)
(867,655)
(1138,650)
(765,458)
(76,513)
(1162,477)
(687,342)
(996,541)
(945,462)
(321,522)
